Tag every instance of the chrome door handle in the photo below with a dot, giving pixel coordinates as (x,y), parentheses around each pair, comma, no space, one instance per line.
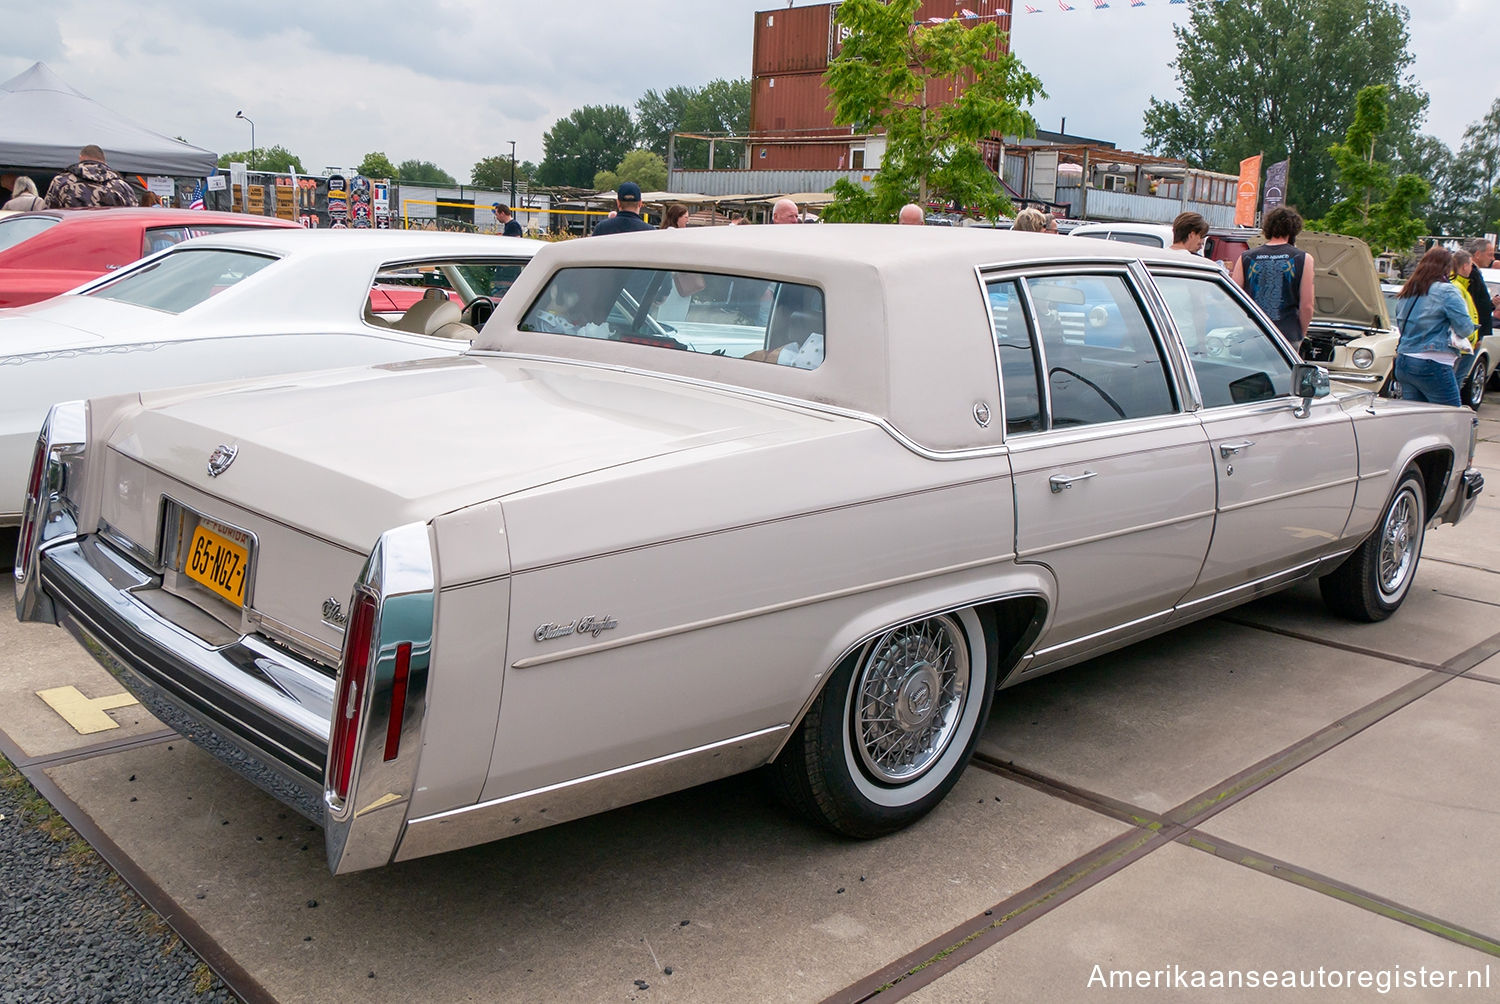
(1060,481)
(1227,450)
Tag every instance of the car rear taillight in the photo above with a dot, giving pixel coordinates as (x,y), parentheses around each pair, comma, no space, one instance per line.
(398,700)
(31,506)
(348,708)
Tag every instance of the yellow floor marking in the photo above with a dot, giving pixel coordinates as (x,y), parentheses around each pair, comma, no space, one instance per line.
(85,714)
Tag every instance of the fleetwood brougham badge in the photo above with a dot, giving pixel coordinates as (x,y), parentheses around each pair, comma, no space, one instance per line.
(594,626)
(220,459)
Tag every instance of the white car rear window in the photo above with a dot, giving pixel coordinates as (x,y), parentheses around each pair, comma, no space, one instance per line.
(181,280)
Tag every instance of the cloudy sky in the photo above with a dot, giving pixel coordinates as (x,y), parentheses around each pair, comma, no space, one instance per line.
(453,81)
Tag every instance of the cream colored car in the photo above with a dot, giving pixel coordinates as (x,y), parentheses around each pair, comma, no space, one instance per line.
(1351,333)
(695,503)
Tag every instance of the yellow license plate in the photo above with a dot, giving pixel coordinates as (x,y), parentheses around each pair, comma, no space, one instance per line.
(218,563)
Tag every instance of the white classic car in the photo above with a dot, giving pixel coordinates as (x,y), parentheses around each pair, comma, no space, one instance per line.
(243,304)
(1351,331)
(808,509)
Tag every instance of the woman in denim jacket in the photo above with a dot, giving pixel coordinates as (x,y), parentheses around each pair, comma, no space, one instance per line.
(1429,307)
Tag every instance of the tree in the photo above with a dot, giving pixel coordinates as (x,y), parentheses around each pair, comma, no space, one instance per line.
(643,167)
(495,173)
(376,165)
(591,139)
(720,106)
(880,81)
(423,172)
(1474,200)
(1278,77)
(1377,208)
(276,159)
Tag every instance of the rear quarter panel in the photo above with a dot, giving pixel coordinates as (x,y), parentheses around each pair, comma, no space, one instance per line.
(735,583)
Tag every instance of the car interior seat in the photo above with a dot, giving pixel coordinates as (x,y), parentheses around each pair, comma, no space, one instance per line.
(440,318)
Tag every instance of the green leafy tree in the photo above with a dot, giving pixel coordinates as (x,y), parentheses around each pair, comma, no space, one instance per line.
(879,82)
(1279,77)
(1376,207)
(644,167)
(376,165)
(267,158)
(591,139)
(1473,198)
(720,106)
(495,173)
(423,172)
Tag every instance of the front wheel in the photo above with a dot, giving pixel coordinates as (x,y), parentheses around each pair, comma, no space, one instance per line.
(893,728)
(1373,581)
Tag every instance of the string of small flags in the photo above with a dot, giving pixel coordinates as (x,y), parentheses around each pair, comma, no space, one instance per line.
(1068,8)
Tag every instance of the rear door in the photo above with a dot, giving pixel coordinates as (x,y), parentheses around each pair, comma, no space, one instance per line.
(1285,483)
(1114,486)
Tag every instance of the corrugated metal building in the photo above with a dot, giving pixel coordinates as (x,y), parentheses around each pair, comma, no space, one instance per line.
(791,125)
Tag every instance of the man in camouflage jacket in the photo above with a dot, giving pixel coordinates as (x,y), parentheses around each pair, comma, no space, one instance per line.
(89,183)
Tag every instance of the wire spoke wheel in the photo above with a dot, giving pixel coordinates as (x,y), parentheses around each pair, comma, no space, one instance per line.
(1399,540)
(908,699)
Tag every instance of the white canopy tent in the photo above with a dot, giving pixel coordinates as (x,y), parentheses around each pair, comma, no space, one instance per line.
(44,123)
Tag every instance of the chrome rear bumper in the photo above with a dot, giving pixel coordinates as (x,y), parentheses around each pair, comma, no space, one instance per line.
(259,709)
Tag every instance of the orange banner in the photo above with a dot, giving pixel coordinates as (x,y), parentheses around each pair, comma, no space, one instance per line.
(1249,192)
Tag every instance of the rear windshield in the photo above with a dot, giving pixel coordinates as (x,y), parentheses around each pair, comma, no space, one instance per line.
(20,228)
(180,280)
(763,320)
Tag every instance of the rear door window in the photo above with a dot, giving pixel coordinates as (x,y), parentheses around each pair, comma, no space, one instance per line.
(1103,362)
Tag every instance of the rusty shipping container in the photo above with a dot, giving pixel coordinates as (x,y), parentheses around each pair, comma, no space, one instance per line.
(794,156)
(797,103)
(804,39)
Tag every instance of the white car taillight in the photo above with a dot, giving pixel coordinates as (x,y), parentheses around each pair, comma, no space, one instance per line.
(348,707)
(48,513)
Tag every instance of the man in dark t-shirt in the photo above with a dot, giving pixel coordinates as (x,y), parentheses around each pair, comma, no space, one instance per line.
(509,227)
(1279,276)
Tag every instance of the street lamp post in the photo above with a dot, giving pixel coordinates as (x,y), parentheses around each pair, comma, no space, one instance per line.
(242,115)
(512,174)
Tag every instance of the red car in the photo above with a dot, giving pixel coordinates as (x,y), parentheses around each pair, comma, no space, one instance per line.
(50,251)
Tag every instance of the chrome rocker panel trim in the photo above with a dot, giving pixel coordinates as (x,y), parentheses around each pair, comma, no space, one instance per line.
(260,710)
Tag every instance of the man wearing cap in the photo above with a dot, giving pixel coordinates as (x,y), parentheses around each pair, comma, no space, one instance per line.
(508,225)
(628,218)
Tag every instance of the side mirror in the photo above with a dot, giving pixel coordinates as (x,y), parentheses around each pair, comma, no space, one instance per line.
(1308,382)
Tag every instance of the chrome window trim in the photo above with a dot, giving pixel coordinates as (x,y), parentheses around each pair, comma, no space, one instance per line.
(1042,402)
(1104,432)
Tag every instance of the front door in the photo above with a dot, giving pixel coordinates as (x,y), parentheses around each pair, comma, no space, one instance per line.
(1285,483)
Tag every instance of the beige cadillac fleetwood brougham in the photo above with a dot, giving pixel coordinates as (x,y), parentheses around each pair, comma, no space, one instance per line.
(701,502)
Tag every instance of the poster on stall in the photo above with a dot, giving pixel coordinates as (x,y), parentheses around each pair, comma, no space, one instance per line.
(338,202)
(164,187)
(286,198)
(359,203)
(381,204)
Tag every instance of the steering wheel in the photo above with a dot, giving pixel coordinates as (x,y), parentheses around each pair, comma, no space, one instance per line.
(477,311)
(1091,385)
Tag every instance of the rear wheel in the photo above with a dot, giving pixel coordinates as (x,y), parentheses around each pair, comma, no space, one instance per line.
(1479,378)
(893,728)
(1373,581)
(1391,388)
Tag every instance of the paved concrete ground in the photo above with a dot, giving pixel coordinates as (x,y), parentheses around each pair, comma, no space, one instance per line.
(1270,790)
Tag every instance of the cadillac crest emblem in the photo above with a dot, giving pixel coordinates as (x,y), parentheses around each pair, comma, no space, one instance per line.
(220,459)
